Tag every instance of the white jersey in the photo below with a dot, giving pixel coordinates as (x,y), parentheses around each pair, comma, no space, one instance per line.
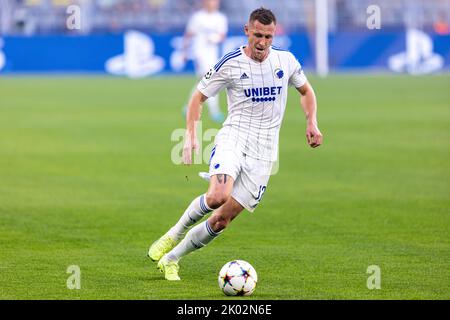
(257,95)
(206,28)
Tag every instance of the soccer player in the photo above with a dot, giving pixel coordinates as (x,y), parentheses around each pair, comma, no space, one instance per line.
(256,77)
(205,31)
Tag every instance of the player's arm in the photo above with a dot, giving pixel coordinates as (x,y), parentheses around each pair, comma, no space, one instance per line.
(309,105)
(192,117)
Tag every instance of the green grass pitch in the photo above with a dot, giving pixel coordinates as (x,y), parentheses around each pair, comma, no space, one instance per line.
(86,179)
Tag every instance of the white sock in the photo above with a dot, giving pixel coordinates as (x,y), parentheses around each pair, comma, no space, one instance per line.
(194,213)
(213,105)
(198,237)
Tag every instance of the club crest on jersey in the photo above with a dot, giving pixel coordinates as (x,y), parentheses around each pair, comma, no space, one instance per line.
(279,73)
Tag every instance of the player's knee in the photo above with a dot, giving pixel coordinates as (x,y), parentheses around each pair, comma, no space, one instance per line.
(219,224)
(215,200)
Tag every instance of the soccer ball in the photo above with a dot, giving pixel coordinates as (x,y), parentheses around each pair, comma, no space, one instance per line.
(237,278)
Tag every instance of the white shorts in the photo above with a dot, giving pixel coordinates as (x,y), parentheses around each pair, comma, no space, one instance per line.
(250,175)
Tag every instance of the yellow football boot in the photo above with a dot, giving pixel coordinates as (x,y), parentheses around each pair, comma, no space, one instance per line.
(169,268)
(161,247)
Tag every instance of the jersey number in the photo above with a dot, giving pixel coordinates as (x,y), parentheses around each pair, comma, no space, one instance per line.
(262,189)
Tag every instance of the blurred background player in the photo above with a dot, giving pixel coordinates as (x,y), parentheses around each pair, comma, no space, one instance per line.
(204,33)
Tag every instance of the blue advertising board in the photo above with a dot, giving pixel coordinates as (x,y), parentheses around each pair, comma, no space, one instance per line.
(137,54)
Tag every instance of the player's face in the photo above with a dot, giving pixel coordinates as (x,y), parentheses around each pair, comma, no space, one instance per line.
(211,5)
(260,37)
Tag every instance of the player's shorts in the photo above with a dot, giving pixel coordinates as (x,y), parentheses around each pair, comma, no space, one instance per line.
(250,175)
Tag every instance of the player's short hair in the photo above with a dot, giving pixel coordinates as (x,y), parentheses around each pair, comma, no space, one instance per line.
(263,15)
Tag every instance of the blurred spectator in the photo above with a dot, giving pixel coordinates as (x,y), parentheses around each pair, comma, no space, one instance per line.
(441,25)
(48,16)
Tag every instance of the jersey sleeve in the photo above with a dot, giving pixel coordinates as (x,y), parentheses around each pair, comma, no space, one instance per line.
(213,81)
(297,77)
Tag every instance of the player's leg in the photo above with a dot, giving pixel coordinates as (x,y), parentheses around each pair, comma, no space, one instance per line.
(196,210)
(219,191)
(223,216)
(224,168)
(218,195)
(229,197)
(199,236)
(220,187)
(203,233)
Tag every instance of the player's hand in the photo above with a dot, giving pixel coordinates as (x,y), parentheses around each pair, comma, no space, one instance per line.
(313,136)
(190,143)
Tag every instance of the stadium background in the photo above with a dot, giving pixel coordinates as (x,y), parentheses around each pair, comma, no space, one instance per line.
(85,153)
(37,37)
